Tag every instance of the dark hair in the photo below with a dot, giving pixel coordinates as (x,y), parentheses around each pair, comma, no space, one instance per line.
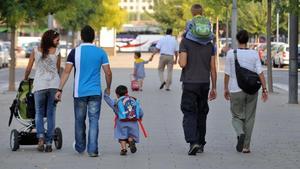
(87,34)
(169,31)
(47,41)
(196,9)
(138,54)
(121,90)
(242,36)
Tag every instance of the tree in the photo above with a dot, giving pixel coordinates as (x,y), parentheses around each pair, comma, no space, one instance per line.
(108,14)
(253,17)
(97,13)
(75,16)
(175,13)
(14,13)
(171,14)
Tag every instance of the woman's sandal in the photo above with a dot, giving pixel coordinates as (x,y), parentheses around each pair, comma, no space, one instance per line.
(123,152)
(246,151)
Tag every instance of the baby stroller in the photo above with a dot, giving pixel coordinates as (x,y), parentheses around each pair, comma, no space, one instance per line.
(23,110)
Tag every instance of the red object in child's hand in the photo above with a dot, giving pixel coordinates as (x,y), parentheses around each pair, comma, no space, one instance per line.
(134,85)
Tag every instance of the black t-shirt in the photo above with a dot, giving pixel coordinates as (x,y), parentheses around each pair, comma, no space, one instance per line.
(199,56)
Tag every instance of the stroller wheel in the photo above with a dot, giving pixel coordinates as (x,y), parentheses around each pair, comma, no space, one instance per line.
(58,140)
(14,140)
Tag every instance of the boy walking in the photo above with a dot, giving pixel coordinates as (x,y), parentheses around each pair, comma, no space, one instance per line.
(128,111)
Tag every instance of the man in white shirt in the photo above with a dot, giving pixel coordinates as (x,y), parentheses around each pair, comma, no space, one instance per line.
(168,48)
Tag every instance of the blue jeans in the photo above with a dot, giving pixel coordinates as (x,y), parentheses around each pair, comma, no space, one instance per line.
(45,107)
(82,106)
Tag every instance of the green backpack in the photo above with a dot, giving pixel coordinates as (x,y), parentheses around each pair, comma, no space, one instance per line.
(201,27)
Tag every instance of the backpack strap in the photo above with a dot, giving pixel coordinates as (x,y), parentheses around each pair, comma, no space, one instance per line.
(120,105)
(236,61)
(235,54)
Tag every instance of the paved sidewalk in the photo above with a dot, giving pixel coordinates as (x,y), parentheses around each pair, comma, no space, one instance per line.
(275,141)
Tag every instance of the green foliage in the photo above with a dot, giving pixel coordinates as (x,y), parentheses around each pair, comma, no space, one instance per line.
(253,17)
(171,14)
(175,13)
(12,12)
(16,12)
(76,15)
(252,14)
(108,14)
(97,13)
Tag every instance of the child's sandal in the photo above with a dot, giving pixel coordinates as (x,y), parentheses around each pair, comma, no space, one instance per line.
(132,146)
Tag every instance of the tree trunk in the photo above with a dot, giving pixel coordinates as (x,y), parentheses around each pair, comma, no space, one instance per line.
(293,66)
(98,37)
(73,38)
(217,40)
(269,59)
(234,24)
(227,24)
(11,85)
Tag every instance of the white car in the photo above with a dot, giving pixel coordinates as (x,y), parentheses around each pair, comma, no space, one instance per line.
(274,49)
(282,56)
(4,55)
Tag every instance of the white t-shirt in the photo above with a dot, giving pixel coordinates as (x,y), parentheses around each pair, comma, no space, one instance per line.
(46,75)
(248,59)
(167,45)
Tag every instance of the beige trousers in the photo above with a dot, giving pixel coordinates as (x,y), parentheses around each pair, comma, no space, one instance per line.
(164,61)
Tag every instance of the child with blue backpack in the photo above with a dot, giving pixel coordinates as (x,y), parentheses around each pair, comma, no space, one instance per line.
(199,28)
(128,113)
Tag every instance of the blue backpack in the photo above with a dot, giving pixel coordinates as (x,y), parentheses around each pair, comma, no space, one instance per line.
(129,108)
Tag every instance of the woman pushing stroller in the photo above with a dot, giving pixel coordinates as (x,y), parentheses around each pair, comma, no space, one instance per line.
(46,82)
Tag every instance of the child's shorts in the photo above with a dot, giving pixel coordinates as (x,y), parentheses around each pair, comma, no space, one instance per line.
(124,130)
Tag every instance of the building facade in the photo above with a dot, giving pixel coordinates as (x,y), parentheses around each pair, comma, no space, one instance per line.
(137,6)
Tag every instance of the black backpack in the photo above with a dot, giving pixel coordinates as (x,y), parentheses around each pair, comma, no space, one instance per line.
(247,80)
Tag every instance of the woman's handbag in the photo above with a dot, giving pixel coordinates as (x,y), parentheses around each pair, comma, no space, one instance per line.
(247,80)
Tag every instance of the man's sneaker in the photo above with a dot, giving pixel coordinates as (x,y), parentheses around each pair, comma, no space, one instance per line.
(93,154)
(73,145)
(162,85)
(132,146)
(48,148)
(40,146)
(193,149)
(201,149)
(240,143)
